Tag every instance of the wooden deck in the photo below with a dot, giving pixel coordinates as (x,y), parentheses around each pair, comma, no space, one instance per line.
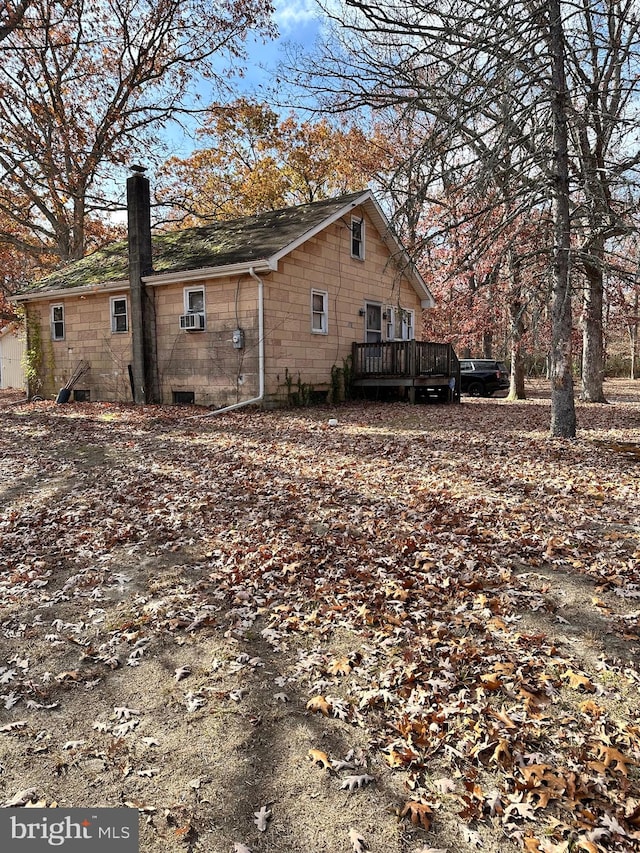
(418,366)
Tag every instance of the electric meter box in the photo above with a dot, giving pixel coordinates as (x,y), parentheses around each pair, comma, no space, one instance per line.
(237,338)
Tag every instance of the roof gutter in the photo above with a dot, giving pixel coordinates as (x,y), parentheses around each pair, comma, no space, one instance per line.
(81,290)
(154,280)
(261,382)
(188,276)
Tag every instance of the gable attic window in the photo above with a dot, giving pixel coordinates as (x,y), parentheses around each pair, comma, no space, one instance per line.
(119,315)
(319,312)
(57,322)
(357,238)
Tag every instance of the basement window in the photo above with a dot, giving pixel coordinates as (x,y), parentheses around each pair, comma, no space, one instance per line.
(57,322)
(82,395)
(184,398)
(119,314)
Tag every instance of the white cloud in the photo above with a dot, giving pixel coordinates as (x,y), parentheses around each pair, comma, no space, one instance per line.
(293,14)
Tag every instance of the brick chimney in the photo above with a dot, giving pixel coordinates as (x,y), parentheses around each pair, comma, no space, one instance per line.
(146,383)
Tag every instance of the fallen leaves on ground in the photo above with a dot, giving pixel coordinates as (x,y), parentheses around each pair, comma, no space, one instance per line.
(486,576)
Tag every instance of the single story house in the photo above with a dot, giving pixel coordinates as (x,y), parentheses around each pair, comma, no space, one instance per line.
(256,309)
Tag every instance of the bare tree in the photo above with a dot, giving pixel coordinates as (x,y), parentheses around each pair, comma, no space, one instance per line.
(85,88)
(602,50)
(492,73)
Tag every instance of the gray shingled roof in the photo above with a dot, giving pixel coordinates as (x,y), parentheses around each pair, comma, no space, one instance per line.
(237,241)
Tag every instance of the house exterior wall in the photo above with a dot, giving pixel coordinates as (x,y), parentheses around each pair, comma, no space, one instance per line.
(299,360)
(11,360)
(88,336)
(204,362)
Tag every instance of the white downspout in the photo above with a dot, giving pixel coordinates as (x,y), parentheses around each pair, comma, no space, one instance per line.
(260,396)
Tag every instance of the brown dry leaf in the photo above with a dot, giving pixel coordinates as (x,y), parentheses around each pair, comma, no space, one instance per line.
(491,681)
(321,758)
(394,758)
(319,704)
(632,813)
(587,846)
(502,752)
(534,698)
(578,681)
(552,847)
(503,717)
(610,755)
(592,708)
(420,814)
(68,675)
(531,845)
(340,666)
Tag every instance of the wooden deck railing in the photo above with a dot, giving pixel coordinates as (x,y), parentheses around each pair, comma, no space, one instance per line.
(403,359)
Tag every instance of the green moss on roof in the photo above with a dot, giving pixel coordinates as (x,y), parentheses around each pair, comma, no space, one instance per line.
(251,238)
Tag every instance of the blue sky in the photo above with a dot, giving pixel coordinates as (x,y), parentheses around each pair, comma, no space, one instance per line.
(299,23)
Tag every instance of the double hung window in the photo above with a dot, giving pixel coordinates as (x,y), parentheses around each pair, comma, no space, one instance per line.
(57,322)
(319,312)
(119,314)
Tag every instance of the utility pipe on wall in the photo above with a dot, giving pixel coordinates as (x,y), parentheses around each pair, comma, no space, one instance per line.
(260,396)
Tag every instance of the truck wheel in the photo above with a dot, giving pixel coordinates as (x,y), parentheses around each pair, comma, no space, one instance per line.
(476,389)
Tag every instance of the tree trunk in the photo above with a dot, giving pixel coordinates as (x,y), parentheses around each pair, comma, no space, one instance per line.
(563,413)
(516,317)
(592,337)
(633,337)
(487,344)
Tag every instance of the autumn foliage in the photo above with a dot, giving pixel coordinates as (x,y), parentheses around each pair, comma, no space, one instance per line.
(442,587)
(254,160)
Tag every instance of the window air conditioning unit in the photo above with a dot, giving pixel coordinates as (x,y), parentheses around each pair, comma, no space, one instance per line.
(192,321)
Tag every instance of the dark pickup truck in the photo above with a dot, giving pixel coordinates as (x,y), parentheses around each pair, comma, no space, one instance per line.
(482,377)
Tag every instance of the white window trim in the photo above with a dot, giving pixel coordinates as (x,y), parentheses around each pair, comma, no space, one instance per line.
(390,321)
(374,330)
(198,289)
(360,221)
(112,302)
(397,327)
(324,314)
(55,337)
(407,329)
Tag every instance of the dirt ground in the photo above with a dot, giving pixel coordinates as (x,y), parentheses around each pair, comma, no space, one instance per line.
(415,631)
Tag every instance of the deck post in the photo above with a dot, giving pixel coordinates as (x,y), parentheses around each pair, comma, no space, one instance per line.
(412,359)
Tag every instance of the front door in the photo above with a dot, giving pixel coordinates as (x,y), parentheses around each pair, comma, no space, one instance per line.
(373,335)
(373,323)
